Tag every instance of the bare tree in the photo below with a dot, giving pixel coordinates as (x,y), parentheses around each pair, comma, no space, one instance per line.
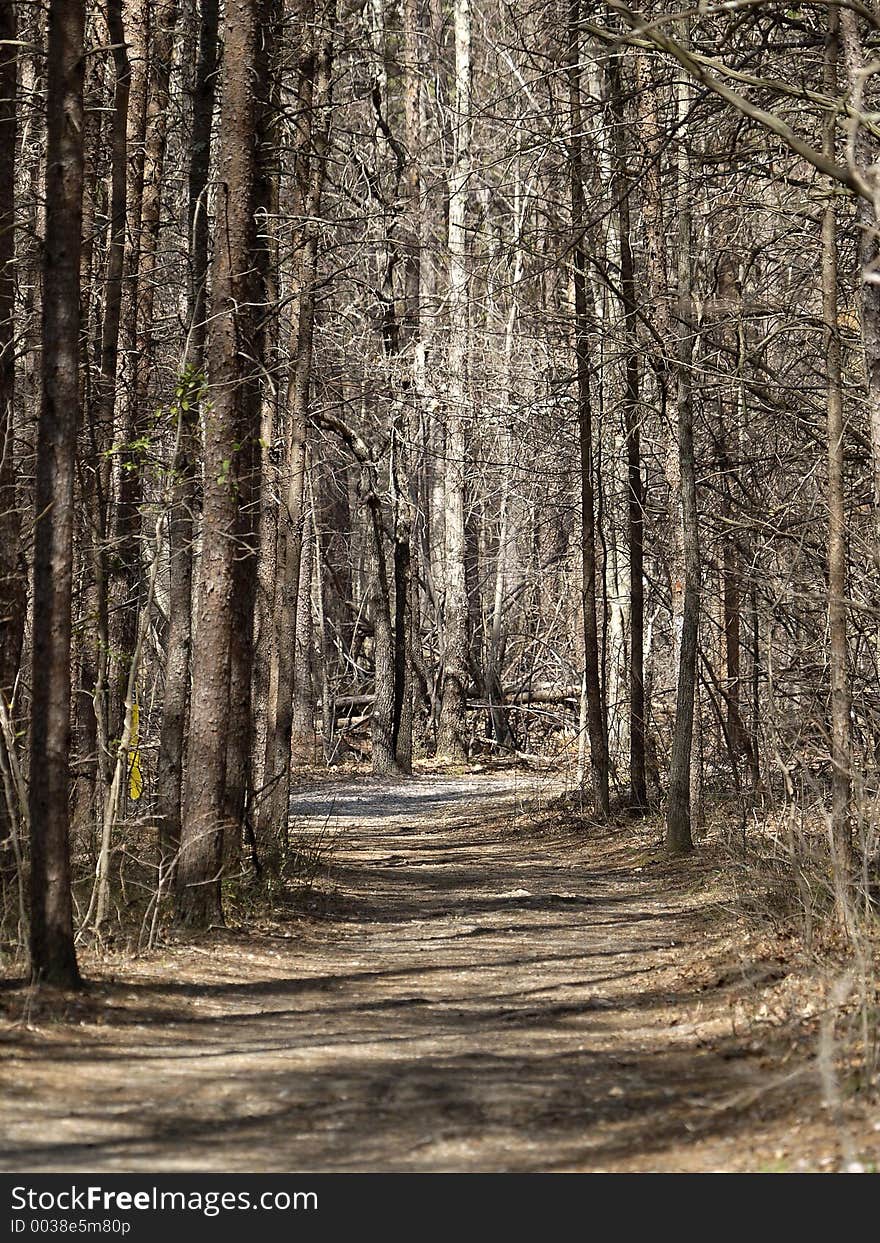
(596,718)
(226,463)
(53,958)
(451,738)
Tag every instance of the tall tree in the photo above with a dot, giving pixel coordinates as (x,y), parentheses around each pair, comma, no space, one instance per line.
(597,724)
(228,459)
(53,957)
(632,418)
(679,799)
(315,83)
(841,759)
(181,524)
(12,581)
(451,737)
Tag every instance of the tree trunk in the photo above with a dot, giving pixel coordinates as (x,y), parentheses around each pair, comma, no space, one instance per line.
(635,488)
(103,405)
(257,406)
(227,466)
(312,145)
(841,758)
(596,719)
(267,206)
(402,718)
(84,813)
(13,581)
(678,805)
(124,563)
(452,738)
(53,957)
(868,253)
(384,754)
(181,519)
(302,733)
(158,100)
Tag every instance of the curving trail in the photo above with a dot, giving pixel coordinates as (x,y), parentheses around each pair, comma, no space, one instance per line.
(474,999)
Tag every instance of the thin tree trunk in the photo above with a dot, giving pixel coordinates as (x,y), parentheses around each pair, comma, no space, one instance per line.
(260,395)
(302,732)
(104,403)
(124,580)
(412,327)
(596,718)
(841,758)
(316,87)
(327,705)
(384,754)
(678,805)
(13,583)
(53,957)
(452,736)
(158,100)
(635,488)
(661,346)
(402,719)
(85,814)
(265,656)
(181,519)
(868,253)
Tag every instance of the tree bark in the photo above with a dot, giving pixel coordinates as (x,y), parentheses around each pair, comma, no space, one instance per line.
(678,804)
(597,725)
(258,403)
(635,487)
(384,753)
(868,254)
(268,206)
(316,85)
(841,757)
(13,580)
(227,461)
(53,957)
(181,521)
(302,733)
(452,737)
(124,562)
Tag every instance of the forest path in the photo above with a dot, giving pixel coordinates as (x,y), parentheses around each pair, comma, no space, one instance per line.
(476,998)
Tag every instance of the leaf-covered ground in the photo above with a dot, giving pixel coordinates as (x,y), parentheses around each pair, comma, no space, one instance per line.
(468,985)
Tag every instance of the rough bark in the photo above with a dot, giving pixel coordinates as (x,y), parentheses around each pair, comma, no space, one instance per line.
(302,732)
(312,143)
(226,463)
(267,206)
(596,717)
(841,758)
(53,957)
(451,736)
(635,487)
(124,562)
(681,785)
(868,252)
(13,580)
(181,522)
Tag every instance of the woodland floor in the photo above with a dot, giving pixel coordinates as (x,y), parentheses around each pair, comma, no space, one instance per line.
(468,985)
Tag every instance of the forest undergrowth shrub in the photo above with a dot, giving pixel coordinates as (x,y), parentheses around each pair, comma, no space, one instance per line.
(786,885)
(283,877)
(289,871)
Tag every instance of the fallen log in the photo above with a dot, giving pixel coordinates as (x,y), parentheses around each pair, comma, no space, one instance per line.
(538,695)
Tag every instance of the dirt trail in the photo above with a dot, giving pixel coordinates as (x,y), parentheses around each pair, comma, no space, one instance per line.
(474,1000)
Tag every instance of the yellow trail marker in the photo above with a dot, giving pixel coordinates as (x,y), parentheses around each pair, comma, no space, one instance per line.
(135,778)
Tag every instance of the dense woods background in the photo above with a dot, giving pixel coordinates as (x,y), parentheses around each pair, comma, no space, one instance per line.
(414,379)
